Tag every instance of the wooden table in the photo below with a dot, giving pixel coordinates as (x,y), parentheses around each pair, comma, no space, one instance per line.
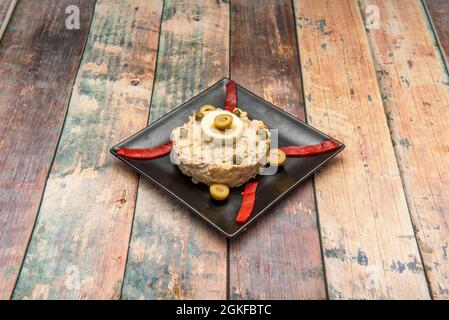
(75,223)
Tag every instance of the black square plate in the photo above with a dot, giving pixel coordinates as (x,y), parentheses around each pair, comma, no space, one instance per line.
(271,189)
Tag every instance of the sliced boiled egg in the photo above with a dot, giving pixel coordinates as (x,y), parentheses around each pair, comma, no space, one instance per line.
(211,132)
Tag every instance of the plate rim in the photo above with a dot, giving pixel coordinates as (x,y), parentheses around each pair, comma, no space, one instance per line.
(243,227)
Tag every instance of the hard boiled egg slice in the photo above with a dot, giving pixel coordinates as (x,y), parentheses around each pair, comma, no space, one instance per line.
(210,132)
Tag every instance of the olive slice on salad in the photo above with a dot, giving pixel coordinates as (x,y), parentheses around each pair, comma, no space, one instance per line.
(207,108)
(262,133)
(237,112)
(199,116)
(276,157)
(223,121)
(219,191)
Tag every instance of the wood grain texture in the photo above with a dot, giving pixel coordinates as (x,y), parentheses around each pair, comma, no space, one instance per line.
(172,254)
(38,62)
(80,243)
(415,89)
(6,10)
(280,256)
(438,11)
(368,241)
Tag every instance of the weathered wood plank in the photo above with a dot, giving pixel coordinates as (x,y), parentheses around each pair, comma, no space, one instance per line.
(6,10)
(415,89)
(368,241)
(38,62)
(280,256)
(438,11)
(80,243)
(172,254)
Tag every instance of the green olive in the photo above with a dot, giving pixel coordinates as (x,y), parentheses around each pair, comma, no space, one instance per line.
(262,133)
(219,191)
(199,116)
(236,159)
(223,121)
(276,157)
(237,112)
(207,108)
(268,147)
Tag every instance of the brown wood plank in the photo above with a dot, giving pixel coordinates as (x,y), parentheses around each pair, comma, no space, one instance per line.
(438,11)
(280,256)
(80,242)
(38,62)
(172,254)
(6,10)
(415,88)
(368,241)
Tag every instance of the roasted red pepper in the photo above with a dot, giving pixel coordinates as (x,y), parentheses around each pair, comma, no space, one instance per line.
(231,96)
(249,197)
(145,153)
(304,151)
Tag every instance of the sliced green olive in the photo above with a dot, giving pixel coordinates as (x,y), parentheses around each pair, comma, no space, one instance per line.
(219,191)
(262,133)
(207,108)
(237,112)
(223,121)
(236,159)
(268,147)
(199,116)
(276,157)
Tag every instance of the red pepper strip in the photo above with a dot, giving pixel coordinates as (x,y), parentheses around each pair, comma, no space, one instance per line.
(147,153)
(303,151)
(249,197)
(231,96)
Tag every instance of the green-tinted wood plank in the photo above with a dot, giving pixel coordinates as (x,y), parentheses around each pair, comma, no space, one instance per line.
(172,254)
(280,256)
(38,62)
(80,243)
